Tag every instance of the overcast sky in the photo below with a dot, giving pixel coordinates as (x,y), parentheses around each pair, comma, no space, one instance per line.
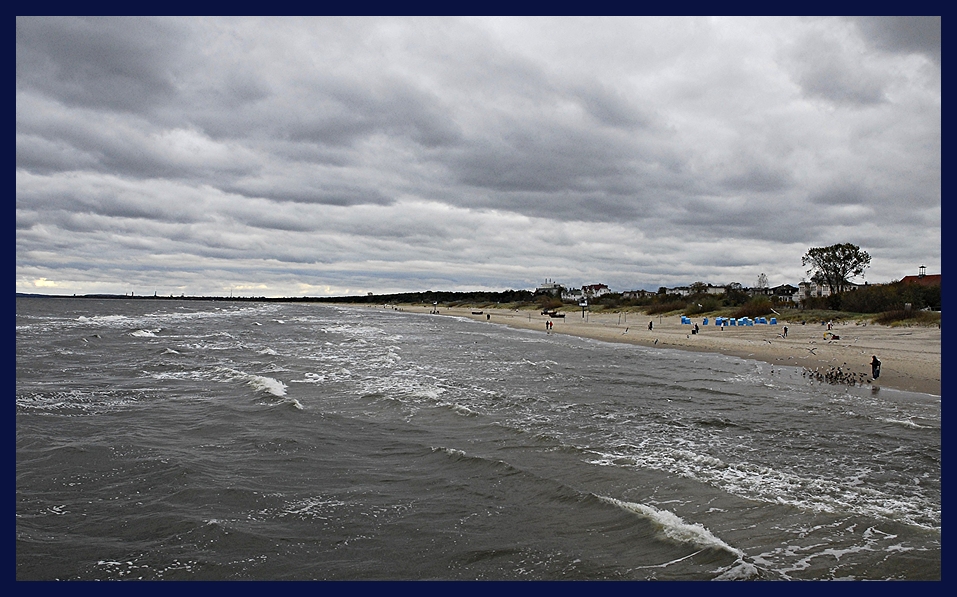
(330,156)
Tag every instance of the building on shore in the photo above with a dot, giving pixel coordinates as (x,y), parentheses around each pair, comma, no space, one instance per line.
(595,290)
(572,295)
(550,287)
(922,278)
(784,293)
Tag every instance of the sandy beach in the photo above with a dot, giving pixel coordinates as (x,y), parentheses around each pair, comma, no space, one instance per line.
(910,356)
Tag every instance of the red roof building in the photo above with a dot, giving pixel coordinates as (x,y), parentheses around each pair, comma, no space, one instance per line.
(931,280)
(922,278)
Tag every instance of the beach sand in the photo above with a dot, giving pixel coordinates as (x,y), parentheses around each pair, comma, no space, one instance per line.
(910,356)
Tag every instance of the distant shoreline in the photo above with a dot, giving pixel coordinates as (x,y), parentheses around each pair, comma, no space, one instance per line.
(159,297)
(910,355)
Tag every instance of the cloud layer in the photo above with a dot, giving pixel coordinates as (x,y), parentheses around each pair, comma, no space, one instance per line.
(322,156)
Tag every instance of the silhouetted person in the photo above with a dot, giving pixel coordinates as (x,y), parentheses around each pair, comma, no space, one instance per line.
(875,367)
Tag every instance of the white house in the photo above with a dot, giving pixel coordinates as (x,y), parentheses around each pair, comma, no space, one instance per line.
(595,290)
(550,287)
(572,295)
(816,288)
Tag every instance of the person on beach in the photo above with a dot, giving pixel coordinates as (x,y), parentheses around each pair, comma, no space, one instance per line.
(875,367)
(651,324)
(785,331)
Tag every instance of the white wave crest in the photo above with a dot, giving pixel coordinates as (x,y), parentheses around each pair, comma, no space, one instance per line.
(673,527)
(758,482)
(258,382)
(905,423)
(267,384)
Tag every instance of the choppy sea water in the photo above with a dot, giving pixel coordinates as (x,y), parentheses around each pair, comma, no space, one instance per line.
(165,439)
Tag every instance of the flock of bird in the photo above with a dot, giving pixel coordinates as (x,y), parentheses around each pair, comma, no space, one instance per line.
(837,375)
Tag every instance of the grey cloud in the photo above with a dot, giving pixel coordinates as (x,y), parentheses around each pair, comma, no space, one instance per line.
(115,143)
(108,63)
(321,193)
(37,154)
(825,70)
(566,206)
(241,88)
(265,219)
(907,34)
(742,219)
(324,109)
(758,179)
(610,108)
(839,84)
(396,153)
(532,156)
(84,196)
(840,195)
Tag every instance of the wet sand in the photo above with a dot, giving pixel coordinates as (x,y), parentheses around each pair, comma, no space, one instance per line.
(910,356)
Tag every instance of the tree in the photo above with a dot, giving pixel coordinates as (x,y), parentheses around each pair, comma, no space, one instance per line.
(835,264)
(734,294)
(762,282)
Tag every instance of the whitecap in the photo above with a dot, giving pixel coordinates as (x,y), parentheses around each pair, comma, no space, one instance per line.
(267,384)
(259,382)
(673,527)
(904,422)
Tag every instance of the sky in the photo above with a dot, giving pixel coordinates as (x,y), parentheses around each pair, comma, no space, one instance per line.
(340,156)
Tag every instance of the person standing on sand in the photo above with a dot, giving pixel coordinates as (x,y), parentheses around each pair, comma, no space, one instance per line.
(875,367)
(651,324)
(785,331)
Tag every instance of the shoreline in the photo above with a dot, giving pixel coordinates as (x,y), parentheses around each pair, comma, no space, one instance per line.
(910,356)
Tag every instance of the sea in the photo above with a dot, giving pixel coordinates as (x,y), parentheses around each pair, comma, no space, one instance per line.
(218,440)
